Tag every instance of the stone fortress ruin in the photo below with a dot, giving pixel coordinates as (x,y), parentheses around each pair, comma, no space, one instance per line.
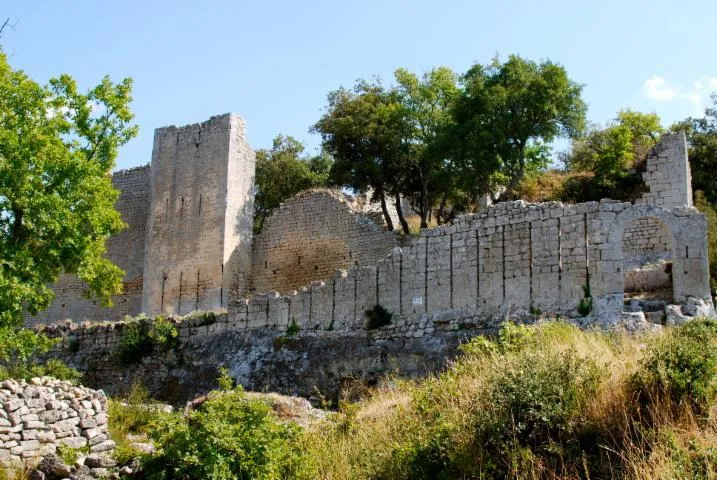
(292,301)
(189,246)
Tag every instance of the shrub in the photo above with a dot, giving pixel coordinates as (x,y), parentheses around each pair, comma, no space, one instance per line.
(230,436)
(130,415)
(293,329)
(21,350)
(378,317)
(68,454)
(681,365)
(144,336)
(201,318)
(538,399)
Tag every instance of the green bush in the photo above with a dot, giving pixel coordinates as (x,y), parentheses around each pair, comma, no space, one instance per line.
(535,388)
(681,365)
(230,436)
(538,399)
(293,329)
(201,318)
(378,317)
(144,336)
(21,350)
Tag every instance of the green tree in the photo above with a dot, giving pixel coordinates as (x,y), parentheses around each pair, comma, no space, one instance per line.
(426,104)
(710,211)
(283,171)
(363,130)
(57,149)
(507,109)
(614,155)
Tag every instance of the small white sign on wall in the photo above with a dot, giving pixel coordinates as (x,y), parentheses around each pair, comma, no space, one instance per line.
(418,300)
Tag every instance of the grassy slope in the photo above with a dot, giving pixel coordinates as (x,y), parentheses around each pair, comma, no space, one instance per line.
(548,401)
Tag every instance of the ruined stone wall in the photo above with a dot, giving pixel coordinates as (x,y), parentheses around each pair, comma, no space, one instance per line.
(512,258)
(646,241)
(38,416)
(311,236)
(125,249)
(199,227)
(667,174)
(450,283)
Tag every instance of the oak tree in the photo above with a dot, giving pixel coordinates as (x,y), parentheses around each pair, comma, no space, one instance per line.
(505,110)
(57,149)
(283,171)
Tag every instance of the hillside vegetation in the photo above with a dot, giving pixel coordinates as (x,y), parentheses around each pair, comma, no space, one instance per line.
(545,401)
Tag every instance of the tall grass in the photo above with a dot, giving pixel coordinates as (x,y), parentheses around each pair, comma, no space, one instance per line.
(549,401)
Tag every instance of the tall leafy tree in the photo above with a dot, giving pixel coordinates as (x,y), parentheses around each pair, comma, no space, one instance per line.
(507,109)
(57,149)
(363,130)
(283,171)
(426,104)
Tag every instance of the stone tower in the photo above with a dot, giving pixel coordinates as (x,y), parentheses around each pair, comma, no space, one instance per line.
(199,227)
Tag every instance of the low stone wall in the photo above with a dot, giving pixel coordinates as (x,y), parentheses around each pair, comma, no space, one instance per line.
(37,416)
(270,358)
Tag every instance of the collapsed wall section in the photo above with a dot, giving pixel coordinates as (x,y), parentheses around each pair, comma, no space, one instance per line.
(199,227)
(311,236)
(667,173)
(39,416)
(126,250)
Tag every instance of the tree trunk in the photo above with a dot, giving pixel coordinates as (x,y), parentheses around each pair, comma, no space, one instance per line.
(401,218)
(517,177)
(424,202)
(440,214)
(384,209)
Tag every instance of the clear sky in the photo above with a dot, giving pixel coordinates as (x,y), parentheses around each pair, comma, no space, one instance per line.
(273,62)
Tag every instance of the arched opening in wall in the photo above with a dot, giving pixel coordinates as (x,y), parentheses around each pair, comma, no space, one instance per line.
(647,267)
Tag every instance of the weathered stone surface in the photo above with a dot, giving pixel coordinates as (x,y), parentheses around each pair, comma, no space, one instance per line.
(100,461)
(674,316)
(698,307)
(105,446)
(53,465)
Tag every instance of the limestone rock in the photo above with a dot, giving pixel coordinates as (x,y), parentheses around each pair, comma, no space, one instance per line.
(100,461)
(698,307)
(53,465)
(674,316)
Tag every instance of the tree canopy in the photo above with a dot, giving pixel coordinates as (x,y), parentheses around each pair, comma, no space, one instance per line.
(364,131)
(57,149)
(283,171)
(507,113)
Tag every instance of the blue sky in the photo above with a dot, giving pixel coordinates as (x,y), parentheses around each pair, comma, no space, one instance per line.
(273,62)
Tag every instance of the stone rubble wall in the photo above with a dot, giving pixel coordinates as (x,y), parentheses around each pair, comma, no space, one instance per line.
(265,358)
(311,236)
(39,415)
(126,250)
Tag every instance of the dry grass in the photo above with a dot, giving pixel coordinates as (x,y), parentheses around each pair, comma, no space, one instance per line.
(400,423)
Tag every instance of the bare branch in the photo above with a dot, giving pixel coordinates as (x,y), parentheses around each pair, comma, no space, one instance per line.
(5,25)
